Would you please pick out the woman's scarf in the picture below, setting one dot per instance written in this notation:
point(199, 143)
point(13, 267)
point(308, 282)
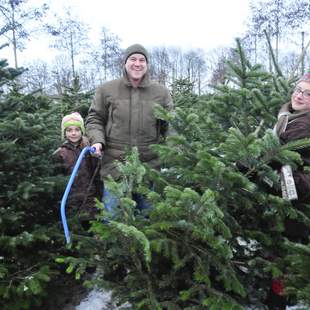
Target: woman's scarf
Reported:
point(286, 115)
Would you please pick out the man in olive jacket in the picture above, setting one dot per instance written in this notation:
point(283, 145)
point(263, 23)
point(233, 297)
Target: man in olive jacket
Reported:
point(122, 114)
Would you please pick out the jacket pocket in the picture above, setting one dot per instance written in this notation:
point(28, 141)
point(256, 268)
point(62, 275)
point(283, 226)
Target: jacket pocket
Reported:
point(149, 122)
point(118, 124)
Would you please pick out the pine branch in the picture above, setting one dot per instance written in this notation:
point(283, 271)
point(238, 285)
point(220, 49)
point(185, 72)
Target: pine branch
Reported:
point(276, 66)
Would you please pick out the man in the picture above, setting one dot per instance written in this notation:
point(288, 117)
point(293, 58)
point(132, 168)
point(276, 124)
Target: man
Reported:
point(122, 114)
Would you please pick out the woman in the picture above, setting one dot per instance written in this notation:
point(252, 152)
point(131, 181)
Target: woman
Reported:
point(293, 124)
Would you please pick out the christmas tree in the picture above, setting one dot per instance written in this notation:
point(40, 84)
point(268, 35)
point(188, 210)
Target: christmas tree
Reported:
point(215, 235)
point(31, 235)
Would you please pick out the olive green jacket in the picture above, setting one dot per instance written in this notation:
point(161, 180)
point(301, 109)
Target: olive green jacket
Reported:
point(122, 117)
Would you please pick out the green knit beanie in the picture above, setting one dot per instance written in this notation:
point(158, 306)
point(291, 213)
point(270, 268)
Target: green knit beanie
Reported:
point(73, 119)
point(135, 49)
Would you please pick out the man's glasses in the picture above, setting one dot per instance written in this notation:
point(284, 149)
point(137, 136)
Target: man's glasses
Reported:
point(305, 93)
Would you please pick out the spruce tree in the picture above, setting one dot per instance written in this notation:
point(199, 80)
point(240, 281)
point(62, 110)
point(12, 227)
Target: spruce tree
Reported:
point(214, 237)
point(31, 236)
point(74, 99)
point(298, 275)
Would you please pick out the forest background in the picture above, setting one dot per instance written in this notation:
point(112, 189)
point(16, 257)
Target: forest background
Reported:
point(215, 236)
point(72, 50)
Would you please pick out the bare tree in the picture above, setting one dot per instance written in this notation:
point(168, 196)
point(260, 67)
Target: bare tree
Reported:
point(160, 65)
point(71, 35)
point(176, 60)
point(107, 56)
point(16, 16)
point(288, 62)
point(61, 74)
point(172, 64)
point(38, 76)
point(217, 64)
point(88, 78)
point(195, 67)
point(277, 18)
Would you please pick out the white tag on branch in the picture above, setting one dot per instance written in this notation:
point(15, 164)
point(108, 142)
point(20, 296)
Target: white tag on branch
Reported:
point(289, 191)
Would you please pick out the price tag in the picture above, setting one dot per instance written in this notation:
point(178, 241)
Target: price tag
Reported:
point(288, 184)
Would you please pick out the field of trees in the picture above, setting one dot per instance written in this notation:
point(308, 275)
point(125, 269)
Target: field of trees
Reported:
point(215, 235)
point(285, 22)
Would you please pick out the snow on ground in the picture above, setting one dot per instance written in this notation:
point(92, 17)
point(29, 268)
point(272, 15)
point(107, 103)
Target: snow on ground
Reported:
point(96, 300)
point(101, 300)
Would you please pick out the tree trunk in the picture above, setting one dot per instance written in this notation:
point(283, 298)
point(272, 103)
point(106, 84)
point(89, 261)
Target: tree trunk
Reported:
point(302, 53)
point(14, 35)
point(72, 56)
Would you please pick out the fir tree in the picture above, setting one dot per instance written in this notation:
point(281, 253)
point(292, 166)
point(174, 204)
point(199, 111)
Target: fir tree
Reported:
point(74, 98)
point(214, 237)
point(31, 237)
point(298, 261)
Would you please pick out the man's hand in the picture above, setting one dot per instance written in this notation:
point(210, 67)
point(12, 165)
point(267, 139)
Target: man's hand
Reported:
point(98, 147)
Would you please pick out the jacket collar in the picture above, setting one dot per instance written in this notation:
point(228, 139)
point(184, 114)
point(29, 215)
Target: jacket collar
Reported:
point(83, 142)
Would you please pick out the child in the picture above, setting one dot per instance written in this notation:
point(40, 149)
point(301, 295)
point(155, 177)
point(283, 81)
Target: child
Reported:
point(86, 185)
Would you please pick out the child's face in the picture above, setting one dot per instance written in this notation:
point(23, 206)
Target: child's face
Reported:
point(73, 134)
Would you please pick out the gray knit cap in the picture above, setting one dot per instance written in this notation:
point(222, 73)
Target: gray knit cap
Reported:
point(135, 49)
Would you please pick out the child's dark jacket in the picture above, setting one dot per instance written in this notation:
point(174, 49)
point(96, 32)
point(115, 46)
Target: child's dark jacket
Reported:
point(86, 186)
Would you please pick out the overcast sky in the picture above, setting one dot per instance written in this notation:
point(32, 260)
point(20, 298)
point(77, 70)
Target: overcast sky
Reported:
point(205, 24)
point(184, 23)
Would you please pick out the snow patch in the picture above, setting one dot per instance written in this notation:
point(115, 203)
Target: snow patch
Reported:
point(96, 300)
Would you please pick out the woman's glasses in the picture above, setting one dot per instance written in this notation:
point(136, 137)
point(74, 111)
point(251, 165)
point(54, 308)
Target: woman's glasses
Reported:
point(305, 93)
